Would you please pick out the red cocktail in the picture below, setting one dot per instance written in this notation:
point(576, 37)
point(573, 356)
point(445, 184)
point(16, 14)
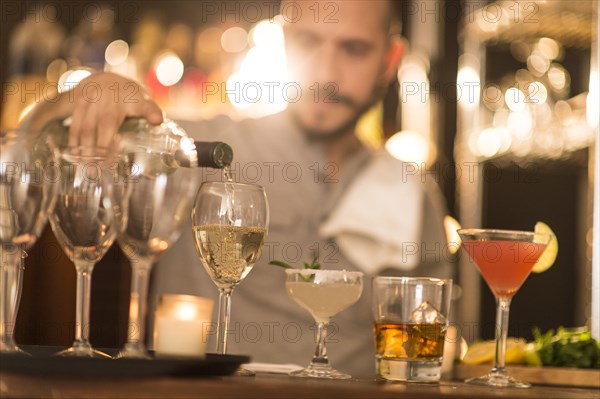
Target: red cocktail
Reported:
point(504, 259)
point(504, 265)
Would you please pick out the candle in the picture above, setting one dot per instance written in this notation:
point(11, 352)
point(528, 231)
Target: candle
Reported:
point(182, 325)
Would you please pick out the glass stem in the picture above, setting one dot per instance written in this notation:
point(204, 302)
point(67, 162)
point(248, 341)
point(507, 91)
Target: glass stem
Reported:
point(10, 258)
point(82, 312)
point(502, 310)
point(223, 321)
point(18, 287)
point(320, 356)
point(138, 301)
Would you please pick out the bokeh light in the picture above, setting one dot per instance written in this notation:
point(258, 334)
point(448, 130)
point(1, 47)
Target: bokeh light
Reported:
point(549, 48)
point(538, 64)
point(267, 33)
point(408, 146)
point(257, 87)
point(515, 99)
point(492, 98)
point(593, 101)
point(169, 69)
point(234, 40)
point(521, 124)
point(116, 53)
point(72, 78)
point(55, 70)
point(538, 94)
point(468, 82)
point(489, 142)
point(557, 77)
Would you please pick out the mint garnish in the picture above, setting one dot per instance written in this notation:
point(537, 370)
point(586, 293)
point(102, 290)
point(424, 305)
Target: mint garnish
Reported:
point(314, 265)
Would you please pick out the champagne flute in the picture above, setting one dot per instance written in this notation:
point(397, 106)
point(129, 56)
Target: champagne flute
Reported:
point(323, 293)
point(230, 222)
point(150, 195)
point(26, 198)
point(83, 226)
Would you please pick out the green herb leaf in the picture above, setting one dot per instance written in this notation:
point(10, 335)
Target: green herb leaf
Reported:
point(568, 348)
point(280, 264)
point(314, 265)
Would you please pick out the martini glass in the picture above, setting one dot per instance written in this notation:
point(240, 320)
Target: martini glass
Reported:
point(324, 293)
point(504, 258)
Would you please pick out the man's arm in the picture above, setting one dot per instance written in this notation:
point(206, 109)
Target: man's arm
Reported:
point(98, 106)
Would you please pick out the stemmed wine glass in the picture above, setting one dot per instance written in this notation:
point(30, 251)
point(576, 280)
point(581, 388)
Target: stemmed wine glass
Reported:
point(150, 195)
point(505, 259)
point(230, 222)
point(26, 197)
point(324, 293)
point(83, 224)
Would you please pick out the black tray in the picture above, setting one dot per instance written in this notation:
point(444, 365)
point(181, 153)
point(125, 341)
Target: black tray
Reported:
point(42, 362)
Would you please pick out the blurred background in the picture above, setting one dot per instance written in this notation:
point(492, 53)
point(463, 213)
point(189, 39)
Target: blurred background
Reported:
point(496, 101)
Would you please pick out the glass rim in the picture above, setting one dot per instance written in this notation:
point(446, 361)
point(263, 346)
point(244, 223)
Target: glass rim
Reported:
point(256, 187)
point(324, 271)
point(512, 235)
point(411, 280)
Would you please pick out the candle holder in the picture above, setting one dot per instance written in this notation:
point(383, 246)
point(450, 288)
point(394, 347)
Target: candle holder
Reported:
point(182, 325)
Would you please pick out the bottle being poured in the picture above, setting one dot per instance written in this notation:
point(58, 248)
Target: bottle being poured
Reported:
point(164, 148)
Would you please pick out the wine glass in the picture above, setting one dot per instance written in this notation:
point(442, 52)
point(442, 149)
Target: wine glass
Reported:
point(505, 259)
point(83, 225)
point(150, 195)
point(26, 197)
point(324, 293)
point(230, 222)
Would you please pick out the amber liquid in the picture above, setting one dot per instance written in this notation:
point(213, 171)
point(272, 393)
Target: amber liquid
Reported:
point(410, 341)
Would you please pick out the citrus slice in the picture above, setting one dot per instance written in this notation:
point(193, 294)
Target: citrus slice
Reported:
point(548, 257)
point(480, 352)
point(515, 351)
point(483, 352)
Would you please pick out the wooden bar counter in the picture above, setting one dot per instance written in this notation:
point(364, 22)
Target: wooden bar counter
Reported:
point(262, 386)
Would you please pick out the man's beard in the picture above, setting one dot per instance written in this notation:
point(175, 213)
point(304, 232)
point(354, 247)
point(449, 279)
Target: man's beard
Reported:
point(348, 126)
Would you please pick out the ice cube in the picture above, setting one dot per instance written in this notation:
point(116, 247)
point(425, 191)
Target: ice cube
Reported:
point(426, 313)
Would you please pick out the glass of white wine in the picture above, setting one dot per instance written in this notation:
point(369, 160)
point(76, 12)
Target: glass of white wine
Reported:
point(230, 222)
point(323, 293)
point(82, 222)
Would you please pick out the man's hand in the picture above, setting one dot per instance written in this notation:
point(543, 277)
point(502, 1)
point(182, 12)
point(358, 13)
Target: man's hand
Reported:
point(97, 106)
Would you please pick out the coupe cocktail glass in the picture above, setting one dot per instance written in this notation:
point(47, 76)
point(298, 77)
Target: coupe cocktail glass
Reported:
point(324, 293)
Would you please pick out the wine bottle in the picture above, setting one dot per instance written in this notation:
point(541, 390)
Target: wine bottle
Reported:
point(168, 139)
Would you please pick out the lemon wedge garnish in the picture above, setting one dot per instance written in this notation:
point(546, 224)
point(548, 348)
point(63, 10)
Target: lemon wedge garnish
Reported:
point(480, 352)
point(483, 352)
point(548, 257)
